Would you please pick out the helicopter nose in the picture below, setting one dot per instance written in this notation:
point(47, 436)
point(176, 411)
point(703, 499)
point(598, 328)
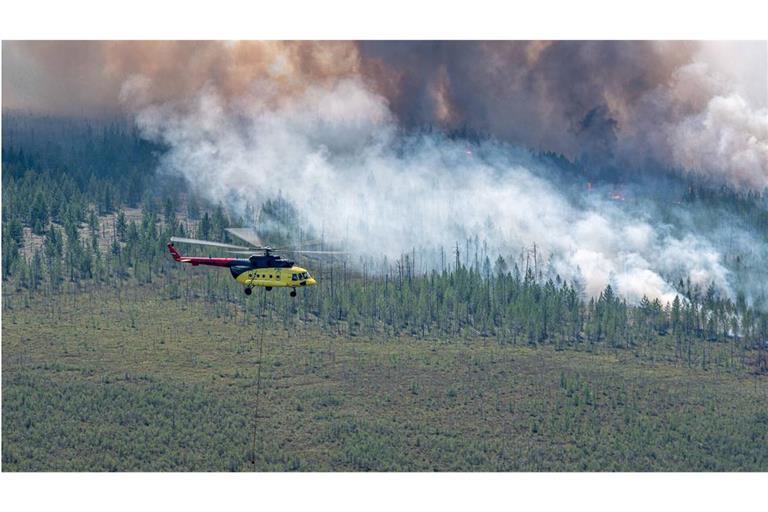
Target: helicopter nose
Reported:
point(311, 281)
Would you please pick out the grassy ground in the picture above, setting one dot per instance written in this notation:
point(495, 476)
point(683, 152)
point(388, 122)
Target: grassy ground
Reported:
point(133, 381)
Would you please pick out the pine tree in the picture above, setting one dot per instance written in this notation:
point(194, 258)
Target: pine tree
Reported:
point(120, 226)
point(204, 228)
point(39, 214)
point(169, 212)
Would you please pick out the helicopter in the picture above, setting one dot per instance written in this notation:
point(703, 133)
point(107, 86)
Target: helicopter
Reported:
point(261, 268)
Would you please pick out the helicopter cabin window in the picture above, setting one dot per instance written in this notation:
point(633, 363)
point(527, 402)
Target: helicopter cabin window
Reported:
point(295, 277)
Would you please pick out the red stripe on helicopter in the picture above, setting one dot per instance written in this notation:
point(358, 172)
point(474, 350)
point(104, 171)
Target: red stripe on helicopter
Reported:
point(216, 262)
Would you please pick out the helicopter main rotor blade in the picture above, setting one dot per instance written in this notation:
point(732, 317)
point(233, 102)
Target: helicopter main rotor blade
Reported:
point(247, 235)
point(298, 251)
point(301, 244)
point(290, 251)
point(304, 243)
point(252, 251)
point(205, 242)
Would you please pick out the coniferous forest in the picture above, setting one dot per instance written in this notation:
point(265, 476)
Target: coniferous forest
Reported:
point(115, 357)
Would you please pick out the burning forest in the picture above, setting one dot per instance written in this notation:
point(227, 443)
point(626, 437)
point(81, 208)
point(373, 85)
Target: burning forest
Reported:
point(460, 218)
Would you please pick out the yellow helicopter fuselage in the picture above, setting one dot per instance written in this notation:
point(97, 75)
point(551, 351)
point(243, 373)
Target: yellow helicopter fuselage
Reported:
point(276, 277)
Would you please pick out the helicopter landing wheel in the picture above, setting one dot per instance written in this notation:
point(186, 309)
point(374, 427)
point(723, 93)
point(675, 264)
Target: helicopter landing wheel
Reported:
point(293, 293)
point(268, 288)
point(248, 291)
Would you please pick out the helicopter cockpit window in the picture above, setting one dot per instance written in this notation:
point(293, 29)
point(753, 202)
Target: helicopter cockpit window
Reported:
point(295, 277)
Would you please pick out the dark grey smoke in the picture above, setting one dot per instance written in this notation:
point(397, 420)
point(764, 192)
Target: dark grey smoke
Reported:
point(617, 105)
point(696, 108)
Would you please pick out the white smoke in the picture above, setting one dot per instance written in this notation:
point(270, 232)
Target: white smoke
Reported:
point(705, 121)
point(728, 135)
point(337, 153)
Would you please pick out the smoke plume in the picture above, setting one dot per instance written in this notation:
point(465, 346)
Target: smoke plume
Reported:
point(338, 129)
point(616, 106)
point(339, 155)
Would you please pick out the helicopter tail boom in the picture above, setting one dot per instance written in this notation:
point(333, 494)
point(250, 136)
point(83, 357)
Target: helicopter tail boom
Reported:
point(216, 262)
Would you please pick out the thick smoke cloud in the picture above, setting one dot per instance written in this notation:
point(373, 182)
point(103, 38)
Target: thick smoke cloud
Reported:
point(561, 97)
point(617, 107)
point(86, 77)
point(726, 135)
point(329, 126)
point(338, 154)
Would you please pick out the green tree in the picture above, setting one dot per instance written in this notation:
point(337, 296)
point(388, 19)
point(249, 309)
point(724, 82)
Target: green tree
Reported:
point(204, 228)
point(39, 214)
point(121, 226)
